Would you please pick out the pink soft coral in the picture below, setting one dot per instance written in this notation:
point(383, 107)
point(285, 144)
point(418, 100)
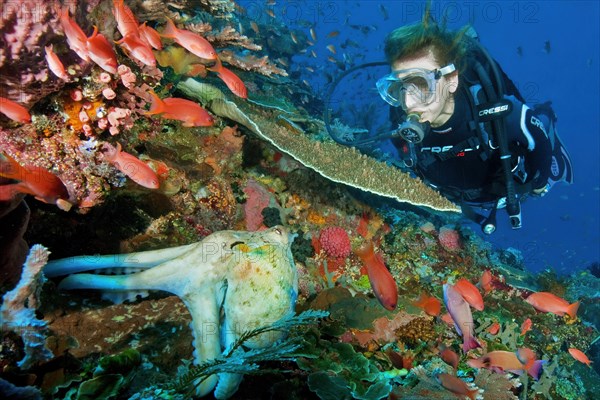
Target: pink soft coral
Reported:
point(335, 241)
point(449, 238)
point(258, 198)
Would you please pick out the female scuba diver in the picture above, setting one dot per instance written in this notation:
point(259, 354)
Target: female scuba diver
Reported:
point(463, 127)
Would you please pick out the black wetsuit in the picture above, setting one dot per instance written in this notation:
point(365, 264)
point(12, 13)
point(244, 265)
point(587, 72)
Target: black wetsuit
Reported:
point(468, 175)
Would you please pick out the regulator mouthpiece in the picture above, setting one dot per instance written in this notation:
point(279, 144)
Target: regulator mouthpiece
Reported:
point(411, 129)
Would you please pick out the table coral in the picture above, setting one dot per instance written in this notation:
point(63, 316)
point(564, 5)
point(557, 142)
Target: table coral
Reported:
point(335, 162)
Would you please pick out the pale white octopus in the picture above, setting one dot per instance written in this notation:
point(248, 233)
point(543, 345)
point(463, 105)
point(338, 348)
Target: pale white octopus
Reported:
point(231, 282)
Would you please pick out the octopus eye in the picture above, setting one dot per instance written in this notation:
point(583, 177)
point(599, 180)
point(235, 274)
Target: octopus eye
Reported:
point(278, 231)
point(235, 244)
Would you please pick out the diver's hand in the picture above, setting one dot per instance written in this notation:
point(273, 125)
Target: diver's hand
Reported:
point(541, 192)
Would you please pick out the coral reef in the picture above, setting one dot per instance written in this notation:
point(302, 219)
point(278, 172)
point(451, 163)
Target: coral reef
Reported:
point(263, 161)
point(335, 162)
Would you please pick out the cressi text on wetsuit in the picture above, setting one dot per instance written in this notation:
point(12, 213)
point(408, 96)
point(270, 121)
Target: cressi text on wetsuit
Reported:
point(468, 175)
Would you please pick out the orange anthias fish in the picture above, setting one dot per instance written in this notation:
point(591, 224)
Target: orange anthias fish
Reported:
point(470, 293)
point(189, 112)
point(485, 282)
point(191, 41)
point(150, 36)
point(14, 111)
point(138, 49)
point(55, 65)
point(457, 386)
point(130, 165)
point(233, 82)
point(35, 181)
point(383, 283)
point(127, 23)
point(431, 305)
point(548, 302)
point(526, 326)
point(515, 362)
point(101, 52)
point(76, 38)
point(580, 356)
point(449, 356)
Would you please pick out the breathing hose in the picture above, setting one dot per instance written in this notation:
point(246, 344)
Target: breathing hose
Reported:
point(327, 111)
point(513, 206)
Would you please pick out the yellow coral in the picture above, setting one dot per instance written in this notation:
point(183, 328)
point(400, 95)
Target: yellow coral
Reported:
point(419, 329)
point(220, 198)
point(298, 202)
point(182, 61)
point(315, 218)
point(72, 109)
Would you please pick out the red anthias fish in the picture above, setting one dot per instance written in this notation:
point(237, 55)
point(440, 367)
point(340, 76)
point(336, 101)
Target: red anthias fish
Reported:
point(233, 82)
point(383, 283)
point(76, 38)
point(150, 36)
point(55, 65)
point(431, 305)
point(32, 180)
point(138, 49)
point(485, 282)
point(449, 356)
point(517, 362)
point(580, 356)
point(187, 111)
point(101, 52)
point(470, 293)
point(457, 386)
point(127, 24)
point(526, 326)
point(14, 111)
point(548, 302)
point(494, 328)
point(130, 165)
point(190, 41)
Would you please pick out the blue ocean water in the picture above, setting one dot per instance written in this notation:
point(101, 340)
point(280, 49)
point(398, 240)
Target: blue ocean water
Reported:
point(549, 49)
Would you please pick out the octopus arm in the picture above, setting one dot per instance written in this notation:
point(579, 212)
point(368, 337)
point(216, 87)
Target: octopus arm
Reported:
point(144, 259)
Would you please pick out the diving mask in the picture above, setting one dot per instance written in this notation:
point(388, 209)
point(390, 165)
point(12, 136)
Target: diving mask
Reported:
point(418, 83)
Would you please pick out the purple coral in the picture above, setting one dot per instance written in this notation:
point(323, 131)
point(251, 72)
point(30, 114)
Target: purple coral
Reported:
point(26, 27)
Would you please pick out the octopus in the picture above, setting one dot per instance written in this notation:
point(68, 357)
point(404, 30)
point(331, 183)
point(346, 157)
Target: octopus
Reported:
point(231, 282)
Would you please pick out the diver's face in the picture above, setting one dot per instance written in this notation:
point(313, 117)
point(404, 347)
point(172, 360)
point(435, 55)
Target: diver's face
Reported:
point(441, 108)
